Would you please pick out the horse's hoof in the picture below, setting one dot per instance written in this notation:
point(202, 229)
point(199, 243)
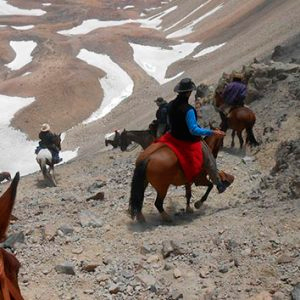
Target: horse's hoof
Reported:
point(189, 210)
point(198, 204)
point(165, 217)
point(140, 218)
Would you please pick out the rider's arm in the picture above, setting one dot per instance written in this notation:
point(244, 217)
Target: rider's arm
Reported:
point(193, 126)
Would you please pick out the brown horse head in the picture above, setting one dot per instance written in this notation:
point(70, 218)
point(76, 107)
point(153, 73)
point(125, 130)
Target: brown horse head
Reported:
point(9, 265)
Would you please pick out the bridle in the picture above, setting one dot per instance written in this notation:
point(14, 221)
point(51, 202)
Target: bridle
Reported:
point(7, 287)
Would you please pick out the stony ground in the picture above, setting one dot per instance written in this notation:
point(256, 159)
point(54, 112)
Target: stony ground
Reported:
point(241, 244)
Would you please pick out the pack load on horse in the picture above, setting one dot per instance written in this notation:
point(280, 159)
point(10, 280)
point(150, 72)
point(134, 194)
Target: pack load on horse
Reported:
point(113, 139)
point(9, 265)
point(178, 158)
point(161, 116)
point(47, 152)
point(229, 101)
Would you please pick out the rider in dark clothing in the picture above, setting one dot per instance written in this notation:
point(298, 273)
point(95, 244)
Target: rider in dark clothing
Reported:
point(184, 126)
point(47, 141)
point(161, 116)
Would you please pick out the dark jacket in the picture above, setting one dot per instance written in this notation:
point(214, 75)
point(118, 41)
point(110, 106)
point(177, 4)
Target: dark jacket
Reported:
point(47, 140)
point(177, 110)
point(235, 93)
point(162, 113)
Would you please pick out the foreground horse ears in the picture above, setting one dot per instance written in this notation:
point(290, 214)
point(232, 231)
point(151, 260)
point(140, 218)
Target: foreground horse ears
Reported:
point(7, 201)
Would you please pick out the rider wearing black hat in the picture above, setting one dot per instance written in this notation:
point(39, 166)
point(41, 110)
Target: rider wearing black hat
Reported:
point(161, 116)
point(184, 126)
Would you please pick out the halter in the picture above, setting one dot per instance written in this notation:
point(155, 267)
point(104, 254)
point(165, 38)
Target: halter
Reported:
point(7, 287)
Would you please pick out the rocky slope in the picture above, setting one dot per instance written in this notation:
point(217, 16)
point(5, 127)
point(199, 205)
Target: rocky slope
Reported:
point(243, 244)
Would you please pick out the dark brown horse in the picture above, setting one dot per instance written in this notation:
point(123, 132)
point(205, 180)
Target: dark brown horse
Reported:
point(238, 119)
point(9, 265)
point(159, 166)
point(142, 137)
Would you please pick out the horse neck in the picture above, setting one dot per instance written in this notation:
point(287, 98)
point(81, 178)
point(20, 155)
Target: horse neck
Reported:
point(218, 99)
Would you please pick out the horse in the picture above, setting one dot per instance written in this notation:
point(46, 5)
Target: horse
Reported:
point(5, 175)
point(44, 159)
point(159, 166)
point(238, 119)
point(116, 140)
point(9, 265)
point(142, 137)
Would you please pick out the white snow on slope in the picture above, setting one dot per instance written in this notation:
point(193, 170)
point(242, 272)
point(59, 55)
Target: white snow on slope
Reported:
point(92, 24)
point(128, 7)
point(9, 10)
point(16, 151)
point(155, 60)
point(117, 85)
point(23, 51)
point(208, 50)
point(190, 27)
point(26, 27)
point(187, 16)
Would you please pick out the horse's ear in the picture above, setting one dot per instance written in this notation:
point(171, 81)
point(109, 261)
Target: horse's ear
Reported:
point(7, 201)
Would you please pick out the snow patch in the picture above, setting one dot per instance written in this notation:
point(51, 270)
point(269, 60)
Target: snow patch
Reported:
point(46, 4)
point(23, 51)
point(9, 10)
point(155, 60)
point(26, 27)
point(117, 85)
point(27, 73)
point(190, 27)
point(128, 7)
point(208, 50)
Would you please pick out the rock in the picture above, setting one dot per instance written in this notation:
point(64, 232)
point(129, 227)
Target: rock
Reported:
point(96, 185)
point(98, 196)
point(13, 239)
point(49, 232)
point(284, 259)
point(89, 267)
point(262, 296)
point(296, 292)
point(279, 296)
point(146, 279)
point(176, 273)
point(153, 258)
point(204, 272)
point(167, 267)
point(65, 268)
point(230, 245)
point(114, 288)
point(248, 159)
point(223, 269)
point(167, 249)
point(145, 249)
point(89, 219)
point(102, 278)
point(77, 251)
point(66, 229)
point(175, 295)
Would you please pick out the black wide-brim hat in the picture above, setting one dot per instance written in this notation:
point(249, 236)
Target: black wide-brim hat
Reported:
point(185, 85)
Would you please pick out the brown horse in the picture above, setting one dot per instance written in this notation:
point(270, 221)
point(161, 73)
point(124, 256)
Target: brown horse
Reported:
point(159, 166)
point(9, 265)
point(238, 119)
point(142, 137)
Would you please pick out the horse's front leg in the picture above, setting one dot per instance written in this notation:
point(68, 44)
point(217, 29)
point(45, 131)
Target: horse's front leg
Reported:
point(188, 196)
point(51, 172)
point(199, 203)
point(159, 202)
point(232, 138)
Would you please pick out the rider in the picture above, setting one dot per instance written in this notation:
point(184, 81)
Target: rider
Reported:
point(161, 116)
point(47, 141)
point(234, 93)
point(184, 126)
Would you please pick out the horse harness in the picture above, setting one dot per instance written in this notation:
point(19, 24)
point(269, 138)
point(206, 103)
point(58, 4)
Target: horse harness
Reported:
point(9, 291)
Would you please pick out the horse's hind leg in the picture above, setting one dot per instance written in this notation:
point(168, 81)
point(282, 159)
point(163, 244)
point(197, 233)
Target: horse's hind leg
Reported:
point(239, 134)
point(199, 203)
point(188, 196)
point(232, 138)
point(159, 202)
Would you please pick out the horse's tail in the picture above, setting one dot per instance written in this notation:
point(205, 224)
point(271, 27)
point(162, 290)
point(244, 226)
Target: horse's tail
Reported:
point(43, 165)
point(251, 138)
point(138, 186)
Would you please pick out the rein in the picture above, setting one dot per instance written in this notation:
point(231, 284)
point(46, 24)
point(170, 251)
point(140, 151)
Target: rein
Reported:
point(7, 287)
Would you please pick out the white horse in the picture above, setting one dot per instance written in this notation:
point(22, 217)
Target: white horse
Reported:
point(45, 160)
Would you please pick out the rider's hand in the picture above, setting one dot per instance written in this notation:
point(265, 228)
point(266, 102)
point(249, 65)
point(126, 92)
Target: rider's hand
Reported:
point(219, 132)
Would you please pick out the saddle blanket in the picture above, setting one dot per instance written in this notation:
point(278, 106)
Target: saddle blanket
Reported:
point(188, 153)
